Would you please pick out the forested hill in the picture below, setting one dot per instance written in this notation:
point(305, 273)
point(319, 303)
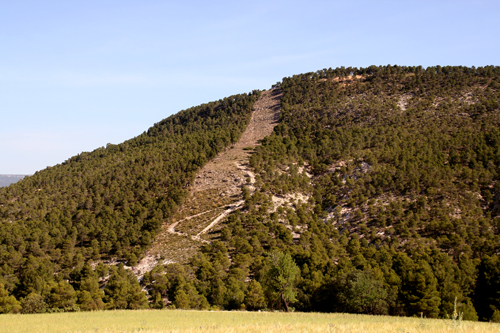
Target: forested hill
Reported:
point(111, 201)
point(399, 212)
point(378, 192)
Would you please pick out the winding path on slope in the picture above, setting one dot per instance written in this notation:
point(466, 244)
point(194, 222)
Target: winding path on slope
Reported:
point(234, 207)
point(219, 183)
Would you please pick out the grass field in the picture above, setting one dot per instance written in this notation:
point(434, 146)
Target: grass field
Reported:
point(205, 321)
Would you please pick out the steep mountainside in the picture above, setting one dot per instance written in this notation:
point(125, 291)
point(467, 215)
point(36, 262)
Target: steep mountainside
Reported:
point(215, 191)
point(377, 192)
point(110, 202)
point(380, 182)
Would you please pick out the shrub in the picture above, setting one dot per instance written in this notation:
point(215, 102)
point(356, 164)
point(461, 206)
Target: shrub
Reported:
point(33, 303)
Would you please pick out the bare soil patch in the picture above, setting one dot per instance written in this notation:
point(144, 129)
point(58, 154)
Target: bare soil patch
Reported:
point(216, 190)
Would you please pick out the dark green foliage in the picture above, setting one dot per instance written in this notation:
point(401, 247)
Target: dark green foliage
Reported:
point(468, 311)
point(495, 317)
point(61, 296)
point(360, 292)
point(33, 303)
point(402, 215)
point(254, 297)
point(88, 301)
point(89, 295)
point(235, 292)
point(8, 303)
point(488, 287)
point(187, 297)
point(109, 202)
point(419, 292)
point(123, 291)
point(158, 285)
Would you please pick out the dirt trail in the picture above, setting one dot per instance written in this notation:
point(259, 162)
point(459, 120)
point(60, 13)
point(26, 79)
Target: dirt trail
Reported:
point(217, 184)
point(171, 228)
point(234, 207)
point(229, 170)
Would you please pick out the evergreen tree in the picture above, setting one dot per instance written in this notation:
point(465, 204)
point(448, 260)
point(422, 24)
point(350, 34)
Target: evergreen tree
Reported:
point(8, 303)
point(33, 303)
point(61, 296)
point(123, 291)
point(254, 297)
point(282, 276)
point(360, 292)
point(487, 298)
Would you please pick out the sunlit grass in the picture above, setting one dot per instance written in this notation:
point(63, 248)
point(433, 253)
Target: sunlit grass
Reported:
point(204, 321)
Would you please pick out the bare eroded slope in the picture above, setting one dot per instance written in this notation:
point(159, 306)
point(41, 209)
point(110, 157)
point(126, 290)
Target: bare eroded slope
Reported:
point(216, 191)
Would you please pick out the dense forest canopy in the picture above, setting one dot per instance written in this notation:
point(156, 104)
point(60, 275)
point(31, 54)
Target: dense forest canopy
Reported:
point(111, 201)
point(390, 179)
point(402, 215)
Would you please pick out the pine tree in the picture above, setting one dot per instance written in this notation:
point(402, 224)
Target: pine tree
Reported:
point(62, 296)
point(8, 303)
point(123, 291)
point(254, 297)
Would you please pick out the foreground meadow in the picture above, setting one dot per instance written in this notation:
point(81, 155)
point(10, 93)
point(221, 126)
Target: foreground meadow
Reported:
point(204, 321)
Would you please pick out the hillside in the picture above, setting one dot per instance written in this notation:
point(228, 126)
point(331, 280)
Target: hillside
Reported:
point(216, 189)
point(380, 184)
point(109, 203)
point(380, 179)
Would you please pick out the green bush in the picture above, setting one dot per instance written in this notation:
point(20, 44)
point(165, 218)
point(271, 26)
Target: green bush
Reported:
point(33, 303)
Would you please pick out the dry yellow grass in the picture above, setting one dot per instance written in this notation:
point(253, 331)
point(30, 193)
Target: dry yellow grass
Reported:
point(229, 322)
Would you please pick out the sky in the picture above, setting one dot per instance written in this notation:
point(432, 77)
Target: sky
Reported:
point(76, 75)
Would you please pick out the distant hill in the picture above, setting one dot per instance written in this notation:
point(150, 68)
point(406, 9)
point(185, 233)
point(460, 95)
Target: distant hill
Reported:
point(6, 180)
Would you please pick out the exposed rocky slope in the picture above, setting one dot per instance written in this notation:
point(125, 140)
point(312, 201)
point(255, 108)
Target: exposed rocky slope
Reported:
point(216, 190)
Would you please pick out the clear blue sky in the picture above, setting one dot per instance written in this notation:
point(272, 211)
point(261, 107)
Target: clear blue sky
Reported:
point(75, 75)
